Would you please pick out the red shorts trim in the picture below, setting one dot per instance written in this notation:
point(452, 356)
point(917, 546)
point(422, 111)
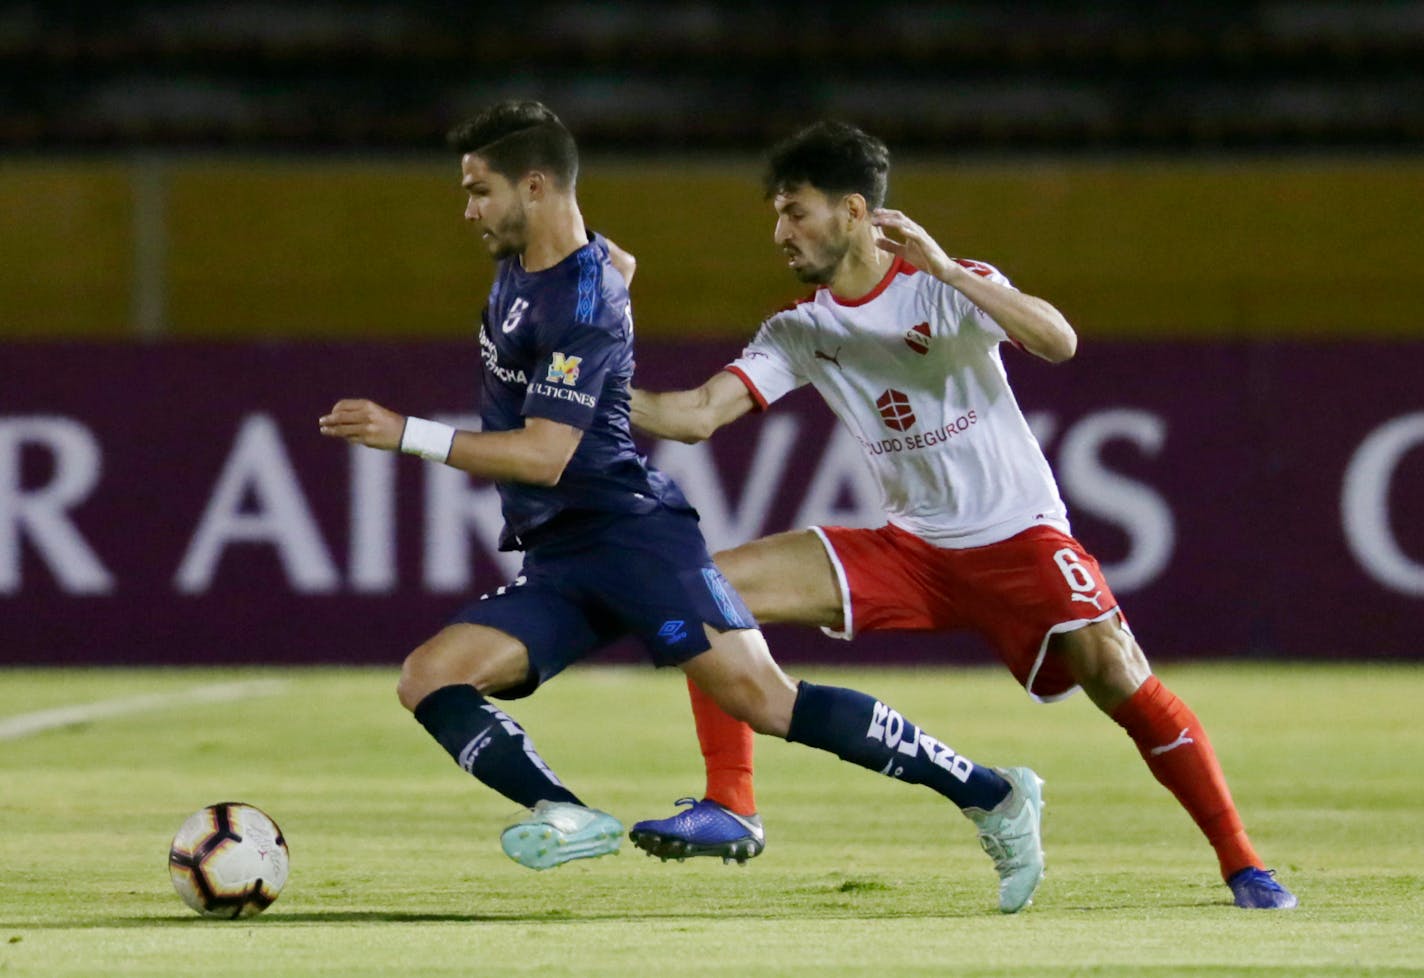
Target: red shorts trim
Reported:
point(1016, 593)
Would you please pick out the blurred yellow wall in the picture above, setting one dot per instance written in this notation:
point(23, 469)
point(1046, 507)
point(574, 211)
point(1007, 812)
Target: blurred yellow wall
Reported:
point(66, 253)
point(304, 248)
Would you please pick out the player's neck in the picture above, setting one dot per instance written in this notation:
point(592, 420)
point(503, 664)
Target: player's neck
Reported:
point(554, 234)
point(861, 270)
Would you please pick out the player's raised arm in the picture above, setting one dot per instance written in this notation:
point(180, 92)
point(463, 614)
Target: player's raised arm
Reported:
point(692, 415)
point(1031, 322)
point(536, 454)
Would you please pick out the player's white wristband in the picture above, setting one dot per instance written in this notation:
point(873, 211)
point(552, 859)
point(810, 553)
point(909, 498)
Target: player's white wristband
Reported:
point(428, 439)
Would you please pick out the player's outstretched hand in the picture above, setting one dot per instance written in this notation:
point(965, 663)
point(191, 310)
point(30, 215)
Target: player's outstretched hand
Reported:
point(364, 422)
point(911, 242)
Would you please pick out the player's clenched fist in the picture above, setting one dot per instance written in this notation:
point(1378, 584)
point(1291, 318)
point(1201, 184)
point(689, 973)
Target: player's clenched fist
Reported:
point(364, 422)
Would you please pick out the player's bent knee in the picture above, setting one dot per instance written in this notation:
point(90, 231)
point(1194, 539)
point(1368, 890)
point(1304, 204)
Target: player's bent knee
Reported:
point(1105, 660)
point(416, 680)
point(486, 659)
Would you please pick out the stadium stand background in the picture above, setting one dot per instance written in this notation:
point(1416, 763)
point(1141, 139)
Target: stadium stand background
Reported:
point(210, 208)
point(244, 169)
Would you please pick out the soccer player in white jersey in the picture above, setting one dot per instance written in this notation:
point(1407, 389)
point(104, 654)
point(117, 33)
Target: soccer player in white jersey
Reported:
point(903, 343)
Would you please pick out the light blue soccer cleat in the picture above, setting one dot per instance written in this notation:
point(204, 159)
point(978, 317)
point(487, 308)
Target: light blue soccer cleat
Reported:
point(556, 832)
point(1011, 833)
point(705, 829)
point(1257, 889)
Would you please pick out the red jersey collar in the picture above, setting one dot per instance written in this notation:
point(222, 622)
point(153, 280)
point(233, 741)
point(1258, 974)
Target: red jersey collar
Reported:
point(898, 267)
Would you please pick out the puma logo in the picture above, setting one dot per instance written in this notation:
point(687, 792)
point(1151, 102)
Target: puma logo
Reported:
point(832, 357)
point(1181, 741)
point(1091, 599)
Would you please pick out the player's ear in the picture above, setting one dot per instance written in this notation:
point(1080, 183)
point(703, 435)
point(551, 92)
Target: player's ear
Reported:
point(534, 185)
point(856, 209)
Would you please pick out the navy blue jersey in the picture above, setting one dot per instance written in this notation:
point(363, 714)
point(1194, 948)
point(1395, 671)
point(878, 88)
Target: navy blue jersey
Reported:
point(558, 344)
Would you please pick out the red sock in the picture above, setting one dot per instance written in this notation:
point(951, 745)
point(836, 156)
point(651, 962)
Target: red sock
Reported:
point(727, 753)
point(1155, 719)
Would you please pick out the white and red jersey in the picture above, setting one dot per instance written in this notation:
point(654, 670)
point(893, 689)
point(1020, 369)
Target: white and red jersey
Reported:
point(913, 371)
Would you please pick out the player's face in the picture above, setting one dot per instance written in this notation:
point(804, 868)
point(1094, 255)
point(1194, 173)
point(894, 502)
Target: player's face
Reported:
point(493, 206)
point(811, 232)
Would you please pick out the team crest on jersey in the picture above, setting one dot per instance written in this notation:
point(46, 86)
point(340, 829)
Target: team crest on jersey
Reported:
point(516, 313)
point(564, 370)
point(895, 410)
point(917, 338)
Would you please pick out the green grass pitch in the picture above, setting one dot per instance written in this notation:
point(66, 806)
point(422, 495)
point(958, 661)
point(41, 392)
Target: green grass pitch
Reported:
point(396, 867)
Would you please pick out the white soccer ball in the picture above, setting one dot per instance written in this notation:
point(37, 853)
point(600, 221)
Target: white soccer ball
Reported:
point(228, 860)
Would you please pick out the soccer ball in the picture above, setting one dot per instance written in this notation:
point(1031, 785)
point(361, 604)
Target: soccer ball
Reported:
point(228, 860)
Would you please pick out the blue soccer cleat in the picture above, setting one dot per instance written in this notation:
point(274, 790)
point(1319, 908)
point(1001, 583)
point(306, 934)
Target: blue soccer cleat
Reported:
point(556, 832)
point(705, 829)
point(1257, 889)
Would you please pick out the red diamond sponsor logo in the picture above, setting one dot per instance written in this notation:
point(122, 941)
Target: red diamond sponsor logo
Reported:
point(917, 338)
point(895, 410)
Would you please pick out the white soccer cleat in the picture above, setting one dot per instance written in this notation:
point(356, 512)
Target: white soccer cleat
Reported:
point(557, 831)
point(1011, 833)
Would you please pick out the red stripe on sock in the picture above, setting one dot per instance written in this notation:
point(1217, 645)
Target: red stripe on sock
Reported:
point(726, 751)
point(1172, 742)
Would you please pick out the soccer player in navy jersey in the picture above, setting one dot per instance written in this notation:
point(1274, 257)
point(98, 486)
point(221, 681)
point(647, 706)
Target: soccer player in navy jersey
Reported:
point(611, 546)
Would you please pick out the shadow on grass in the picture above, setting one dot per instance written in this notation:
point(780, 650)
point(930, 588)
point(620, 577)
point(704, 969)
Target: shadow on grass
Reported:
point(278, 919)
point(304, 918)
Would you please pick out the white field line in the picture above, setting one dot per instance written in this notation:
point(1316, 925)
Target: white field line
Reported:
point(25, 724)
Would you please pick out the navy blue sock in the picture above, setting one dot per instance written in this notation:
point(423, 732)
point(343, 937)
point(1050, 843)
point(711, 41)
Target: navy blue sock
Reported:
point(487, 743)
point(860, 729)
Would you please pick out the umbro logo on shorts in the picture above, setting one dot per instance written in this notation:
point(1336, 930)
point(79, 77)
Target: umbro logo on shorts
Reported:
point(673, 631)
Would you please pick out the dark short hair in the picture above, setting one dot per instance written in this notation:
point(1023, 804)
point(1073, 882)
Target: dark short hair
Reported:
point(834, 157)
point(516, 136)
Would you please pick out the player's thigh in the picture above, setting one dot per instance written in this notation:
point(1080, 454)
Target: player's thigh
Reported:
point(738, 672)
point(1103, 658)
point(463, 653)
point(550, 620)
point(786, 578)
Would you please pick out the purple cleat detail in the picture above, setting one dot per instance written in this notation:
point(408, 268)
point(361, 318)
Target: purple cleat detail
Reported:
point(704, 829)
point(1257, 889)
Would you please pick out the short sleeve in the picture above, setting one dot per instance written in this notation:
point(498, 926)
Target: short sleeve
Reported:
point(768, 364)
point(963, 307)
point(569, 374)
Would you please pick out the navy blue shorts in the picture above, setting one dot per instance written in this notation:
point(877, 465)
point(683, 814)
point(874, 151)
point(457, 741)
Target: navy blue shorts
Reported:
point(603, 576)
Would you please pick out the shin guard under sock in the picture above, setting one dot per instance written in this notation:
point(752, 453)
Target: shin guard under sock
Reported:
point(1172, 742)
point(860, 729)
point(489, 745)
